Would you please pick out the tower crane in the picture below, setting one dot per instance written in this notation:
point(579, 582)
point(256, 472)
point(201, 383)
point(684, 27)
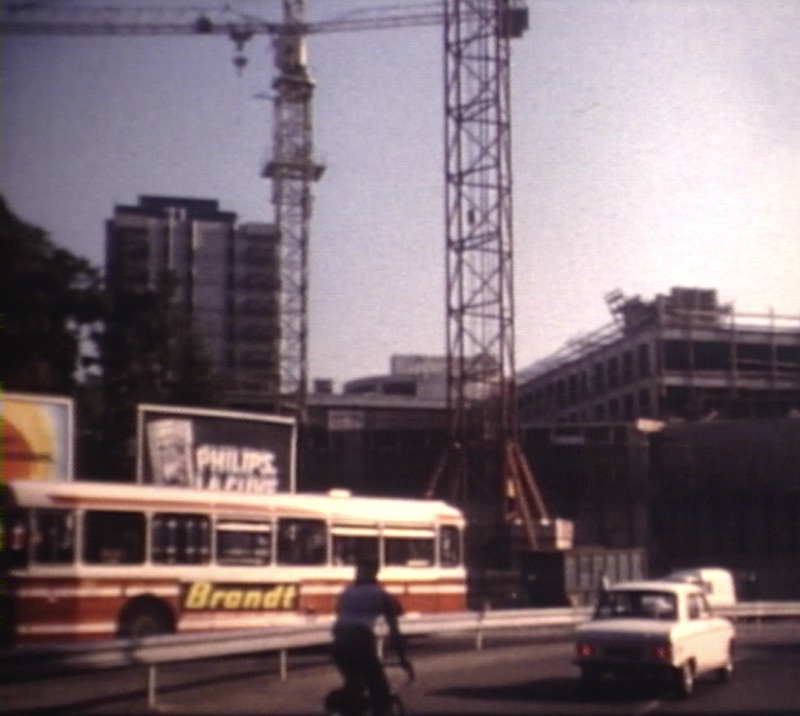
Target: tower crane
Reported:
point(483, 464)
point(292, 167)
point(483, 456)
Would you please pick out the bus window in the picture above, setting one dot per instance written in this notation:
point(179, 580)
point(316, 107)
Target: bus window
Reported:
point(409, 551)
point(244, 543)
point(54, 536)
point(350, 549)
point(181, 539)
point(14, 533)
point(113, 537)
point(449, 546)
point(301, 542)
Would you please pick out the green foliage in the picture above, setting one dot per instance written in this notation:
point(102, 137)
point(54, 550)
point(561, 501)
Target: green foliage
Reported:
point(51, 301)
point(150, 354)
point(58, 320)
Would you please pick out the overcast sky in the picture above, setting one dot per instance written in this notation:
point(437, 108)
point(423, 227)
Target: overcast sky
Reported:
point(656, 144)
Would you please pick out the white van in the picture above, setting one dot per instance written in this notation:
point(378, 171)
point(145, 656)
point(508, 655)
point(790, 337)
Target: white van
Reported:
point(718, 583)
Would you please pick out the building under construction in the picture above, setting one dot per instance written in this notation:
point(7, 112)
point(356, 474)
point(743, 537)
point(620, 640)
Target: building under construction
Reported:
point(679, 356)
point(676, 429)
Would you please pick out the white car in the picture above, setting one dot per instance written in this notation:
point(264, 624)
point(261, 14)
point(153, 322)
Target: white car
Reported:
point(654, 630)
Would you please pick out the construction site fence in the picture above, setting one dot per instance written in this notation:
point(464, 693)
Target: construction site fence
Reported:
point(33, 663)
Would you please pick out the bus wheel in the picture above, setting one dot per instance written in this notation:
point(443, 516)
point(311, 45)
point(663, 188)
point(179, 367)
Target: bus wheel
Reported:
point(144, 617)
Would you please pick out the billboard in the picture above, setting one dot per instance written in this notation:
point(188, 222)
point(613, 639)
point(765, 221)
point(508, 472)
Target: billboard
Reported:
point(37, 437)
point(215, 449)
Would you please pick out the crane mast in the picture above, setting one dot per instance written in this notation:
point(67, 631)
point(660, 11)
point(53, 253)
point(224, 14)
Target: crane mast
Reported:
point(292, 170)
point(483, 467)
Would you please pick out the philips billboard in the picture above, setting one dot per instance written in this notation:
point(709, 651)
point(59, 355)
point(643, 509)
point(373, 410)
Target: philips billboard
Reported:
point(215, 449)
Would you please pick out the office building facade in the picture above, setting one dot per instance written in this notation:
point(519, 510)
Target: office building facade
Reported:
point(225, 280)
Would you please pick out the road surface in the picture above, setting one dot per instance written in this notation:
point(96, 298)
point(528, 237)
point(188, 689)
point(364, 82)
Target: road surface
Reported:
point(519, 673)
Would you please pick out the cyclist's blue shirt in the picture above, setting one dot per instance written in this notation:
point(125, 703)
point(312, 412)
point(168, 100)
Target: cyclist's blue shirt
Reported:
point(363, 605)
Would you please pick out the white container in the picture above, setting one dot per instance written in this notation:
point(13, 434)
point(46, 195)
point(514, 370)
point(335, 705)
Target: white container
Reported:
point(718, 583)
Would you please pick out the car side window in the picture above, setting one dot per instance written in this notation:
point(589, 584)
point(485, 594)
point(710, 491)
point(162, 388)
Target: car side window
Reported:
point(698, 607)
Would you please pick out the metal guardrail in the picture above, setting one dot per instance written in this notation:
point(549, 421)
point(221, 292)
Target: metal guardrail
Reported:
point(760, 610)
point(32, 663)
point(35, 661)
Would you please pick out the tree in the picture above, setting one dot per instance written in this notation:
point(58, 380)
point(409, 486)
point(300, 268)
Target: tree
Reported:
point(149, 354)
point(58, 319)
point(52, 302)
point(150, 351)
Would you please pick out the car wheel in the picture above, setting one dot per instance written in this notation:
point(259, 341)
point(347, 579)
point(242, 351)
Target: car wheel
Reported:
point(396, 707)
point(725, 673)
point(590, 678)
point(685, 678)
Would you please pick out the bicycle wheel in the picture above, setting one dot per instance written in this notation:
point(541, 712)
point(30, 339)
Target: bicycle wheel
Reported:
point(341, 702)
point(396, 706)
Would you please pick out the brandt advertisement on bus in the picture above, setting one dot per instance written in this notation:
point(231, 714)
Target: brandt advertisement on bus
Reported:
point(215, 450)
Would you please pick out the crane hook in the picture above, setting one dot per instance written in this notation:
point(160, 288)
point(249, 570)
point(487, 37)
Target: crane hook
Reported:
point(239, 62)
point(240, 38)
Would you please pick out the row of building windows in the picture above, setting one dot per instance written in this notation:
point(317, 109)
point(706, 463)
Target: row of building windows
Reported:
point(137, 243)
point(399, 439)
point(262, 306)
point(636, 404)
point(385, 387)
point(604, 375)
point(260, 284)
point(133, 250)
point(262, 360)
point(257, 331)
point(727, 356)
point(560, 392)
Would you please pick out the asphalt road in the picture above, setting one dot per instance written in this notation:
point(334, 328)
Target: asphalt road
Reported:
point(519, 673)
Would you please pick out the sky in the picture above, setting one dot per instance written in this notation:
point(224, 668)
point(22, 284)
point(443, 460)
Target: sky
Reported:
point(655, 143)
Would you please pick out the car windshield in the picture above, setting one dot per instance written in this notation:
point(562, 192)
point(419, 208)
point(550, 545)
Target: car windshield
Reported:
point(637, 604)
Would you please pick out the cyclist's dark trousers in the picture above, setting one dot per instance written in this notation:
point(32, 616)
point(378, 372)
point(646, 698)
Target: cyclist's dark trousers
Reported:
point(355, 654)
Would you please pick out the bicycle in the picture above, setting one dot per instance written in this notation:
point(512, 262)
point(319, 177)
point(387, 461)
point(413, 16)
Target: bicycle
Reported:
point(344, 702)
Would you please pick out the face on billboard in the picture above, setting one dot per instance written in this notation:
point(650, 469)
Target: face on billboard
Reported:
point(216, 452)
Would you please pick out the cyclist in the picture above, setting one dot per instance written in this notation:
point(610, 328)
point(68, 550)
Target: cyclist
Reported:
point(354, 649)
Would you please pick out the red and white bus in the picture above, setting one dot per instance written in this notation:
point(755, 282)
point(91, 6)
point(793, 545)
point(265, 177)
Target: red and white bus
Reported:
point(86, 560)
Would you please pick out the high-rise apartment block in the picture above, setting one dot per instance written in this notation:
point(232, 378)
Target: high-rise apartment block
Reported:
point(679, 356)
point(225, 278)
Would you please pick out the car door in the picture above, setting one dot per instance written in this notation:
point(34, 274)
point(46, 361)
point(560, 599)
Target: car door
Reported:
point(708, 634)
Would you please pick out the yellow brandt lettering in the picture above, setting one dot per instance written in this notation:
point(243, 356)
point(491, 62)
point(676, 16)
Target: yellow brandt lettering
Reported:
point(217, 599)
point(252, 599)
point(289, 596)
point(272, 597)
point(197, 596)
point(233, 599)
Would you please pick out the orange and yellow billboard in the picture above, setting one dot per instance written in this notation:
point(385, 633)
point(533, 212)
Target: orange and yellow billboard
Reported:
point(37, 435)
